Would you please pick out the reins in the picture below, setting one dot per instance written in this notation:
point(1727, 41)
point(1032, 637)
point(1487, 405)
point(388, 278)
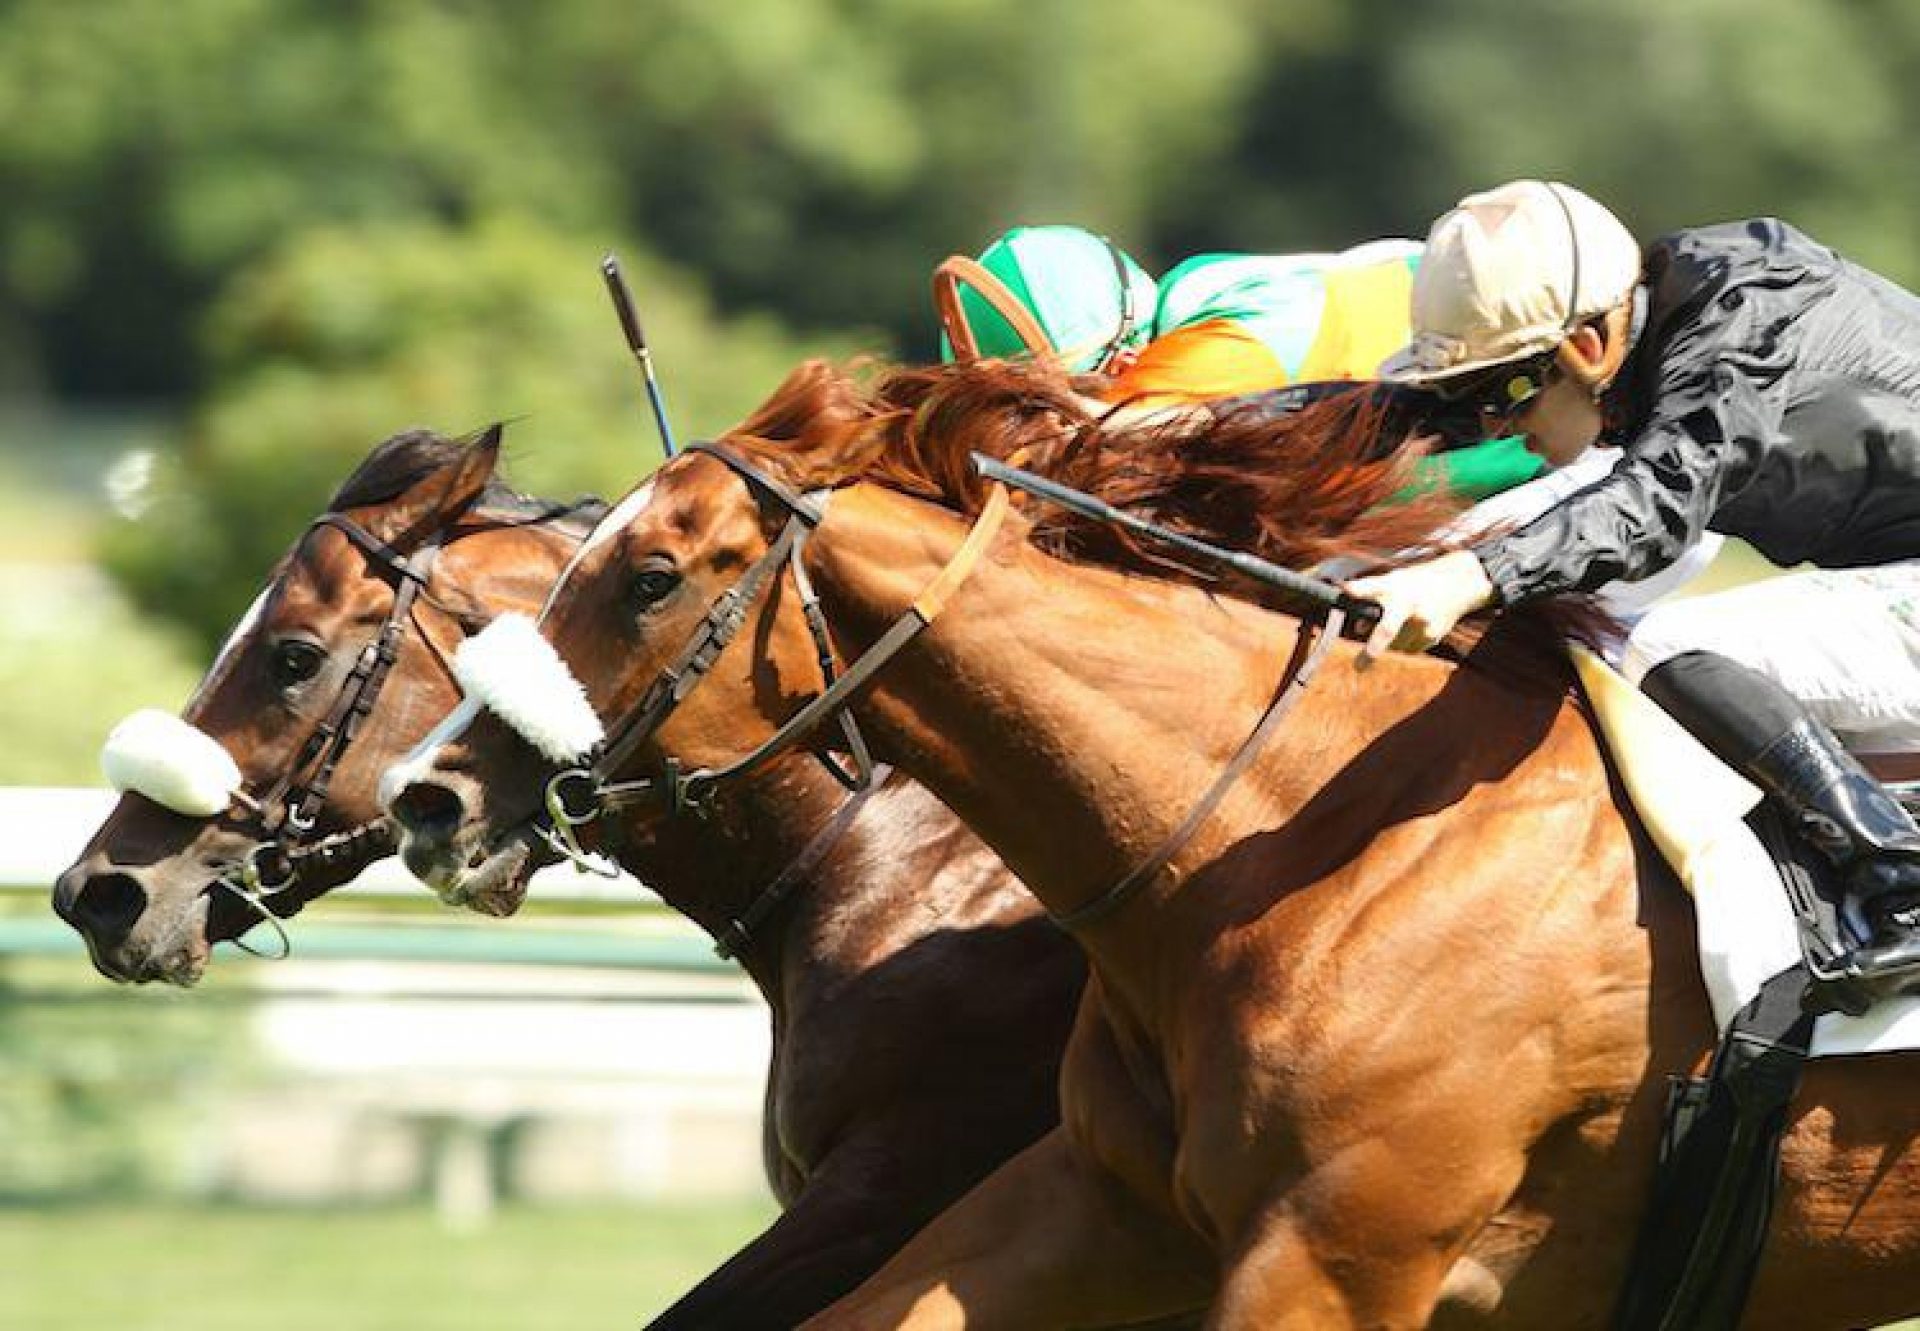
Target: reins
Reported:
point(1309, 647)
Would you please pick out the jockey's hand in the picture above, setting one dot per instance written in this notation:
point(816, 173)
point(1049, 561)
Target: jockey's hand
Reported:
point(1420, 604)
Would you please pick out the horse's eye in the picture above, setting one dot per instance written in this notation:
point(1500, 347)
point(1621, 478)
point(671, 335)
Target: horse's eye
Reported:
point(295, 662)
point(653, 584)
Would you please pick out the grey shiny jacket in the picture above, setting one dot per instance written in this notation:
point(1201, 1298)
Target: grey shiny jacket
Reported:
point(1773, 395)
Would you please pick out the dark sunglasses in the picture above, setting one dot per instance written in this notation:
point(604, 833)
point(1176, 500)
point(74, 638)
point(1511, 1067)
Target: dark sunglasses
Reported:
point(1501, 392)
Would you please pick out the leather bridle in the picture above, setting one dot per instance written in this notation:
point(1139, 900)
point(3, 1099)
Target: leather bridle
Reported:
point(580, 794)
point(279, 873)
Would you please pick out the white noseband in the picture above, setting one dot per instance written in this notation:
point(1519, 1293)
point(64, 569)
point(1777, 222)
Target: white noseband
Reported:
point(512, 671)
point(173, 764)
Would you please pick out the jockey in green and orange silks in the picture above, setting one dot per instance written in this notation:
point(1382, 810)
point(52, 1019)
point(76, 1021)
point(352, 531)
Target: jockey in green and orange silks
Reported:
point(1217, 326)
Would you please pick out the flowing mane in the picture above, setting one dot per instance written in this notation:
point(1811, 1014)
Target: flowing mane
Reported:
point(1328, 482)
point(1297, 489)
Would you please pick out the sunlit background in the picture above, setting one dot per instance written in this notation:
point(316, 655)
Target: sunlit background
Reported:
point(241, 241)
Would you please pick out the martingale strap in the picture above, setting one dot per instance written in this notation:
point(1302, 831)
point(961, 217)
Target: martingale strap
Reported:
point(1309, 646)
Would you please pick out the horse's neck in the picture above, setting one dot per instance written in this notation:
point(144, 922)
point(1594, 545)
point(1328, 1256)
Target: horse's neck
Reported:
point(1072, 717)
point(1069, 714)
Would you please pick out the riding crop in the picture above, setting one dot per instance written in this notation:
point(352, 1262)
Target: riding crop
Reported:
point(1362, 615)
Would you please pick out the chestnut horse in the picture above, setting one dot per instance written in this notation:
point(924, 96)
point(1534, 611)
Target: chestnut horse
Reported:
point(905, 922)
point(1385, 1043)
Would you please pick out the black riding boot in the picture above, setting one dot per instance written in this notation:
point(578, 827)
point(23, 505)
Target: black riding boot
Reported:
point(1757, 728)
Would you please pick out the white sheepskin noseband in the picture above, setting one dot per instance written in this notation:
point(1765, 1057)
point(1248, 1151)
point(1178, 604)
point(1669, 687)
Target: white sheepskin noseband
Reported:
point(514, 672)
point(170, 762)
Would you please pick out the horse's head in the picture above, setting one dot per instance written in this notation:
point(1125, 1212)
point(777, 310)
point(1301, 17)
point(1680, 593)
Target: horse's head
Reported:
point(687, 579)
point(262, 795)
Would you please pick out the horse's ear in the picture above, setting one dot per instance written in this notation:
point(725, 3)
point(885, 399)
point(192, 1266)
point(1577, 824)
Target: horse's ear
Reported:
point(437, 500)
point(469, 477)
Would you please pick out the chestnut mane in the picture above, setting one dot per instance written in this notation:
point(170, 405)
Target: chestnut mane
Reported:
point(1296, 489)
point(1327, 482)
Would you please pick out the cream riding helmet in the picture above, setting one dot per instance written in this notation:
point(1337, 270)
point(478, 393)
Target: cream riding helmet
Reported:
point(1056, 290)
point(1507, 275)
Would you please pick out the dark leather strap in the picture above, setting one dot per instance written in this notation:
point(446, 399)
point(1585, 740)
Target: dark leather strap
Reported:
point(1309, 646)
point(1706, 1224)
point(740, 930)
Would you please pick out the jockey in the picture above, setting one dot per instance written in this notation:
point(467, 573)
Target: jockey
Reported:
point(1759, 385)
point(1218, 326)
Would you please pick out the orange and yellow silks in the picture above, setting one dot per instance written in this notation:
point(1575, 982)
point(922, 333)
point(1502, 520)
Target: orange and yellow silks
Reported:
point(1229, 324)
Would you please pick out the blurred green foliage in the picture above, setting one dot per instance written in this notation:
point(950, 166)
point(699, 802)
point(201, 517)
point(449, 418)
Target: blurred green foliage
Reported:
point(308, 225)
point(351, 333)
point(97, 1094)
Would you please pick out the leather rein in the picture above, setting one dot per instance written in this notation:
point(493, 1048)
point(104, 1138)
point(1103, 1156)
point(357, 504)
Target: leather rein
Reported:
point(580, 794)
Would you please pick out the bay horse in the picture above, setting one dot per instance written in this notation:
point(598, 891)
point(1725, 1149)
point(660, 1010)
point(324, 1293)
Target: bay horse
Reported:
point(1384, 1043)
point(903, 914)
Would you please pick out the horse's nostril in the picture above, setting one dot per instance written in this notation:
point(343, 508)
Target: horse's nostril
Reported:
point(103, 906)
point(429, 811)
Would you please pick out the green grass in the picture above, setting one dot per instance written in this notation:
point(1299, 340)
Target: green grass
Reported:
point(177, 1268)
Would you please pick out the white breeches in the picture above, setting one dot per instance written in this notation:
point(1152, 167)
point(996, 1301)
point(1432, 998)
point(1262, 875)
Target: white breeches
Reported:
point(1846, 642)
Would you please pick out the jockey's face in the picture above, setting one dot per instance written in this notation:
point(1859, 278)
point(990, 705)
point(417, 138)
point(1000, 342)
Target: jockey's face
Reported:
point(1561, 422)
point(1564, 418)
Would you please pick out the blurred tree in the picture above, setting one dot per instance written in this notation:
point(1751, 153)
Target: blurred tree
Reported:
point(808, 157)
point(1675, 115)
point(322, 185)
point(352, 333)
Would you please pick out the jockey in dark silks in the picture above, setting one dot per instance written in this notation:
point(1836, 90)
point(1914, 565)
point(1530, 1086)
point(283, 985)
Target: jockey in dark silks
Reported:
point(1758, 385)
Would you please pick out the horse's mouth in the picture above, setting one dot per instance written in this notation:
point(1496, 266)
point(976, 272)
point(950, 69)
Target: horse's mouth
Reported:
point(181, 963)
point(492, 880)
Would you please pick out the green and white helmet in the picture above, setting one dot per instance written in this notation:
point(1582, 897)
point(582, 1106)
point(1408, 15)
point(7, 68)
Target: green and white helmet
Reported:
point(1059, 288)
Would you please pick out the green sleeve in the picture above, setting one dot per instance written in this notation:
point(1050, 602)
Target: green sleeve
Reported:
point(1476, 471)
